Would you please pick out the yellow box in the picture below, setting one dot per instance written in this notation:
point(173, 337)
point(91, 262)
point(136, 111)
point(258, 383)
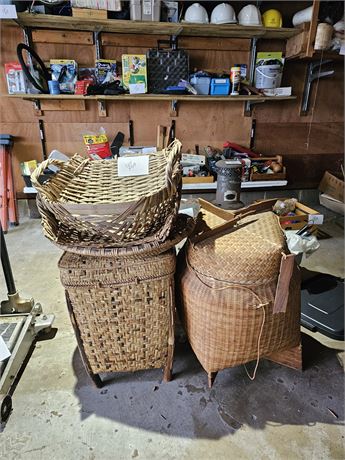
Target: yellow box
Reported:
point(134, 73)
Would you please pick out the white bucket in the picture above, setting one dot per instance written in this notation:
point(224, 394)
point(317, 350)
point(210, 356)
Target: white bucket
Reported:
point(268, 76)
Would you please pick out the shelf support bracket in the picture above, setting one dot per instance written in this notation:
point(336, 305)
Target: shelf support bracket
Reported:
point(248, 104)
point(173, 110)
point(37, 107)
point(102, 108)
point(313, 73)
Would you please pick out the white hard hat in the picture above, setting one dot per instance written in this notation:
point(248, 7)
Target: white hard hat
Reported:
point(223, 14)
point(196, 13)
point(249, 16)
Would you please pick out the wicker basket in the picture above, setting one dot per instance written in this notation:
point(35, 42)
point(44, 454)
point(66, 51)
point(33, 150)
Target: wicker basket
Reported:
point(238, 301)
point(122, 311)
point(89, 200)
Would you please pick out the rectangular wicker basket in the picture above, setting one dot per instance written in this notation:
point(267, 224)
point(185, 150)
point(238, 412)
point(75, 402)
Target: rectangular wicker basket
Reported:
point(122, 311)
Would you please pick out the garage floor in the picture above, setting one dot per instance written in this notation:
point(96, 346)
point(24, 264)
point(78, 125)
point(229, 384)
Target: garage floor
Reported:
point(59, 414)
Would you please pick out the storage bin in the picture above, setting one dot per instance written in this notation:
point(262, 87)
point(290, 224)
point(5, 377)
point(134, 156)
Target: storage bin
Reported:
point(233, 303)
point(121, 310)
point(220, 86)
point(201, 84)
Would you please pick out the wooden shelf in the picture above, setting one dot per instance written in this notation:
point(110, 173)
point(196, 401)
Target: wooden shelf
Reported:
point(318, 56)
point(151, 97)
point(46, 21)
point(244, 185)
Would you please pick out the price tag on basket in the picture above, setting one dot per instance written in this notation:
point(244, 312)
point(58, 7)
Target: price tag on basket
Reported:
point(133, 166)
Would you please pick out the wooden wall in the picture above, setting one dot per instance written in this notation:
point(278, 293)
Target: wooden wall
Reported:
point(311, 144)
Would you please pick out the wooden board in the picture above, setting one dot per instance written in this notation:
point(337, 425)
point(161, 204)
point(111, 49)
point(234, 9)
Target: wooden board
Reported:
point(188, 43)
point(156, 28)
point(89, 13)
point(59, 36)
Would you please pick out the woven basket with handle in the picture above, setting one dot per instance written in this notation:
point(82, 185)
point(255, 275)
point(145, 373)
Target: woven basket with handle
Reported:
point(239, 289)
point(122, 310)
point(88, 198)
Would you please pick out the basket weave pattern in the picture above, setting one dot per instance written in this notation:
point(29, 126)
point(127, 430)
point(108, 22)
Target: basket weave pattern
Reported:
point(225, 284)
point(123, 309)
point(88, 200)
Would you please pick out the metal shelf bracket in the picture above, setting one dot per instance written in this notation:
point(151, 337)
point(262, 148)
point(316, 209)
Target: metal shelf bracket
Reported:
point(313, 73)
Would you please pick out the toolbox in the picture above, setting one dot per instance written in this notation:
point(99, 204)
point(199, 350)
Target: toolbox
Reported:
point(166, 67)
point(220, 86)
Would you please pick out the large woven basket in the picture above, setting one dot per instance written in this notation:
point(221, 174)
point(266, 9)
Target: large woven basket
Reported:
point(122, 311)
point(88, 200)
point(237, 305)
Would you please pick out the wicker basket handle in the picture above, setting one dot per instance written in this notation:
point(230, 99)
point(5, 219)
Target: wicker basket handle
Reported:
point(173, 166)
point(39, 170)
point(234, 217)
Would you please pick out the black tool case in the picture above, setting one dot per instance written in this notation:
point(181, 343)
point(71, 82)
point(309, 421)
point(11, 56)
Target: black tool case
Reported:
point(322, 305)
point(166, 66)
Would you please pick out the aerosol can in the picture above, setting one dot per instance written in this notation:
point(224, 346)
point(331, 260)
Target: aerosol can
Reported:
point(235, 78)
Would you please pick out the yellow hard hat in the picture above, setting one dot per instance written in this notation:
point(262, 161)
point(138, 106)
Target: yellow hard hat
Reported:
point(272, 18)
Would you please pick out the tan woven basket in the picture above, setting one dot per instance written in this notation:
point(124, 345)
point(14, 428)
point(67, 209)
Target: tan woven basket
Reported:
point(88, 198)
point(236, 303)
point(122, 311)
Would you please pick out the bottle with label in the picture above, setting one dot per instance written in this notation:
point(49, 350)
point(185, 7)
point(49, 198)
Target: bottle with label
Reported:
point(235, 78)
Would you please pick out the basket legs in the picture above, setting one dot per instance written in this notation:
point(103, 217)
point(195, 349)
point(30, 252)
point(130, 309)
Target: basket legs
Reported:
point(211, 378)
point(289, 358)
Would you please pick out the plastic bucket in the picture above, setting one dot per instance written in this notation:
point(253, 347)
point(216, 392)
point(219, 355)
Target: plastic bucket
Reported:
point(268, 76)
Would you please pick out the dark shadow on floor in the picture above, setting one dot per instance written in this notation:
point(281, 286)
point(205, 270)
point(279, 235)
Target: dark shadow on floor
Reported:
point(186, 407)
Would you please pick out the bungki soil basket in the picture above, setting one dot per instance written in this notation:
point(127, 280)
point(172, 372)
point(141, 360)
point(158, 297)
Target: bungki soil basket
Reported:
point(122, 311)
point(88, 201)
point(239, 289)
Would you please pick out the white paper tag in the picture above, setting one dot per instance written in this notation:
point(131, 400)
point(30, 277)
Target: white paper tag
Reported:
point(342, 49)
point(137, 88)
point(315, 219)
point(8, 12)
point(133, 166)
point(4, 351)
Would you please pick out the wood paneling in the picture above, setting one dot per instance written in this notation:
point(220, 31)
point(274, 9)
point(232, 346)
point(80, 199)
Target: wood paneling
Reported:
point(60, 36)
point(309, 144)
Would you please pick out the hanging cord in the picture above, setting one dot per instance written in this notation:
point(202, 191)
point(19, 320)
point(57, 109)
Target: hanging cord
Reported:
point(260, 305)
point(314, 103)
point(252, 377)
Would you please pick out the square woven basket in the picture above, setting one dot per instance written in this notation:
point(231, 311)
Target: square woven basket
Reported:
point(122, 311)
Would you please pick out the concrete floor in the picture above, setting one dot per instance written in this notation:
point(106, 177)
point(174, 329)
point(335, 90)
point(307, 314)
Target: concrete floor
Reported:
point(59, 414)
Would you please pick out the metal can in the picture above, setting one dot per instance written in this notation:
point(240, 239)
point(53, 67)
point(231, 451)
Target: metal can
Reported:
point(235, 78)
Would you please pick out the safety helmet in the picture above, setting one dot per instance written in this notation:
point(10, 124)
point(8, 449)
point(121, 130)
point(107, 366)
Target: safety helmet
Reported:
point(196, 13)
point(223, 14)
point(272, 18)
point(249, 16)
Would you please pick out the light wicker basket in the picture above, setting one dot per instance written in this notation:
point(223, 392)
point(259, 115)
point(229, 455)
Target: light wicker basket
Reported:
point(88, 199)
point(122, 311)
point(230, 286)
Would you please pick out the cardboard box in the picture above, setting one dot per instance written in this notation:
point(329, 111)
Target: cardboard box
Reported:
point(190, 159)
point(332, 204)
point(332, 186)
point(303, 216)
point(134, 73)
point(282, 91)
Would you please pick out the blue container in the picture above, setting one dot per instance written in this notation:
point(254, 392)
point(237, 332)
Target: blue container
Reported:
point(201, 84)
point(54, 87)
point(220, 86)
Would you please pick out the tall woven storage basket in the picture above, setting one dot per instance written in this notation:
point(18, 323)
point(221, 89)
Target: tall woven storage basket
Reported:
point(122, 311)
point(230, 285)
